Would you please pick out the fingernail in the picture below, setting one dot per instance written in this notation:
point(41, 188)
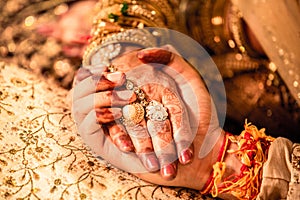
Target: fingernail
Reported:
point(155, 56)
point(168, 171)
point(125, 95)
point(140, 54)
point(145, 57)
point(152, 163)
point(186, 156)
point(115, 77)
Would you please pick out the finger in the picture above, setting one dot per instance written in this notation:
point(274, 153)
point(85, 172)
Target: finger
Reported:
point(94, 83)
point(82, 73)
point(88, 125)
point(101, 143)
point(182, 133)
point(155, 55)
point(108, 98)
point(87, 71)
point(120, 137)
point(143, 145)
point(164, 147)
point(106, 115)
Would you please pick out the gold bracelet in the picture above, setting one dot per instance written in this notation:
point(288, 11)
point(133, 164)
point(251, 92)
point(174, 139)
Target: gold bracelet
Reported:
point(206, 21)
point(103, 51)
point(236, 26)
point(113, 21)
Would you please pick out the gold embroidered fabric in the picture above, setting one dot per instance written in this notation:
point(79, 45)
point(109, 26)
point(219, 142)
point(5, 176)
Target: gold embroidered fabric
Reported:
point(42, 156)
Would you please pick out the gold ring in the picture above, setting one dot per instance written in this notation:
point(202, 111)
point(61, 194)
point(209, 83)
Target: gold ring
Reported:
point(133, 114)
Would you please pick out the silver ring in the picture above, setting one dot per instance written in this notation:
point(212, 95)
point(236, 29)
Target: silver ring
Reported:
point(156, 111)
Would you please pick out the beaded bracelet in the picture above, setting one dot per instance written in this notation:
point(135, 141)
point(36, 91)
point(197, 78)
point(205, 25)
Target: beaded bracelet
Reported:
point(115, 18)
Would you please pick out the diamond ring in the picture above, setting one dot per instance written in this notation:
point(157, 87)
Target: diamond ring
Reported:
point(156, 111)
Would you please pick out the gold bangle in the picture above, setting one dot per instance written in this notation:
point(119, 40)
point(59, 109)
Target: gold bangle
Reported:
point(110, 46)
point(207, 23)
point(115, 18)
point(236, 26)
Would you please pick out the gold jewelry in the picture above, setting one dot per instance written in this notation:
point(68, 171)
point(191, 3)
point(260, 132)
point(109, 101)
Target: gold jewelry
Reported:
point(206, 22)
point(114, 19)
point(236, 26)
point(112, 68)
point(110, 47)
point(133, 114)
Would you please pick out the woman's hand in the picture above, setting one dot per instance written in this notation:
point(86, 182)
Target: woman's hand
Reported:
point(149, 134)
point(202, 116)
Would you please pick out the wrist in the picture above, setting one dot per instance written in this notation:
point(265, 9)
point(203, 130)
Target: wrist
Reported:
point(201, 167)
point(115, 23)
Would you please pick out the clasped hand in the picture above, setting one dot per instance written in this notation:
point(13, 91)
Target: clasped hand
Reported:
point(100, 97)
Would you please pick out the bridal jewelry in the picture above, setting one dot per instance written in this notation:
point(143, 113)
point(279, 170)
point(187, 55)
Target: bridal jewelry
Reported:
point(156, 111)
point(135, 112)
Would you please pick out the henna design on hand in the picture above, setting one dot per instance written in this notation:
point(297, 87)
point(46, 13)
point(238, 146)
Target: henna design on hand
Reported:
point(120, 138)
point(106, 115)
point(174, 106)
point(140, 138)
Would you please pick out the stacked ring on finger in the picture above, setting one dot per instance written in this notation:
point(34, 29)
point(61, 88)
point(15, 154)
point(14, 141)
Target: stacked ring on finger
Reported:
point(156, 111)
point(135, 112)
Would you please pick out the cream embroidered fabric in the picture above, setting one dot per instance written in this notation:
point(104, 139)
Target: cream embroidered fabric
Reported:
point(42, 157)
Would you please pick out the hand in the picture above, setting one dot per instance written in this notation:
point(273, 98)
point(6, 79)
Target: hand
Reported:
point(203, 118)
point(208, 125)
point(71, 28)
point(158, 87)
